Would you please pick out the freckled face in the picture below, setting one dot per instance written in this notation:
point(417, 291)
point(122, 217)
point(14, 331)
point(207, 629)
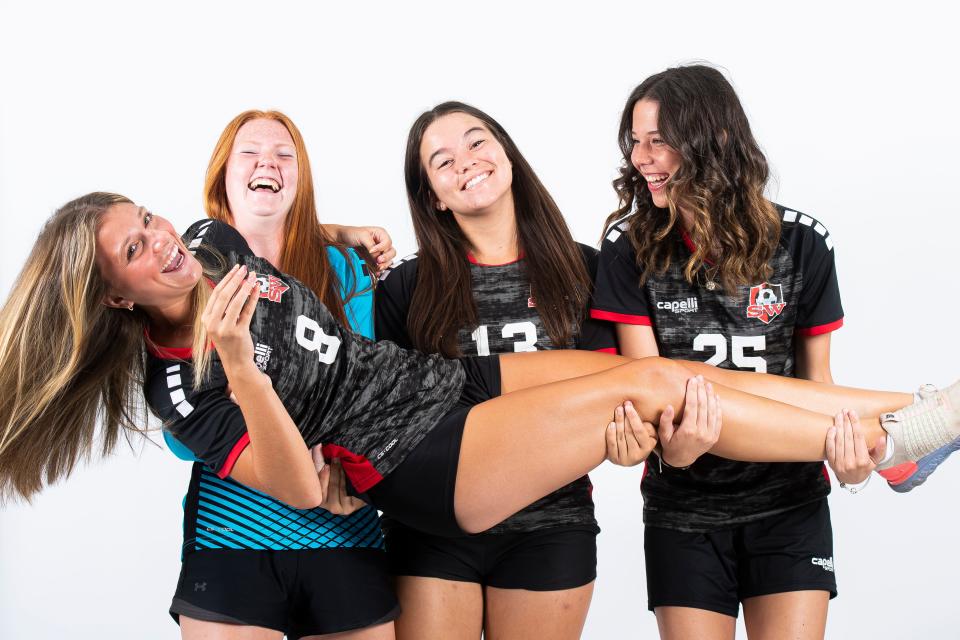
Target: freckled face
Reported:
point(468, 168)
point(651, 156)
point(261, 176)
point(143, 259)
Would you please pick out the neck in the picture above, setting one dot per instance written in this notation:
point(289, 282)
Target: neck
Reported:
point(492, 233)
point(264, 235)
point(172, 325)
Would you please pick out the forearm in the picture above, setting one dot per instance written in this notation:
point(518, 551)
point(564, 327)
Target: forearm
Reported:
point(280, 463)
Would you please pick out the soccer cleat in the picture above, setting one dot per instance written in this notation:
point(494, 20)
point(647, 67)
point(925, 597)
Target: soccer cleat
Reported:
point(925, 434)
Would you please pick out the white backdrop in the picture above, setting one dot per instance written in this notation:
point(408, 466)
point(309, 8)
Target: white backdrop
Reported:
point(855, 107)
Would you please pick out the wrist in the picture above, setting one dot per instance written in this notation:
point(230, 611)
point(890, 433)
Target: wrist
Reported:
point(245, 375)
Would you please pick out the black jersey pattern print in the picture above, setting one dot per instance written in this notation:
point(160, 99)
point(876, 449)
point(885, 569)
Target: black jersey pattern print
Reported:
point(750, 329)
point(368, 403)
point(508, 322)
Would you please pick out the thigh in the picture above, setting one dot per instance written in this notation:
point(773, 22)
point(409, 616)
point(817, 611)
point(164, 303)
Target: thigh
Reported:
point(686, 623)
point(799, 615)
point(787, 574)
point(518, 614)
point(435, 609)
point(192, 629)
point(230, 589)
point(790, 551)
point(343, 590)
point(690, 575)
point(384, 631)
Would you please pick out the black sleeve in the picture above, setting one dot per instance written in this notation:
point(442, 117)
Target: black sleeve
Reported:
point(204, 235)
point(819, 308)
point(617, 296)
point(595, 335)
point(204, 420)
point(392, 302)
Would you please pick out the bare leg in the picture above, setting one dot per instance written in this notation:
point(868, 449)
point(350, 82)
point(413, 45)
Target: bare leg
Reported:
point(815, 396)
point(523, 445)
point(687, 623)
point(517, 614)
point(435, 609)
point(798, 615)
point(192, 629)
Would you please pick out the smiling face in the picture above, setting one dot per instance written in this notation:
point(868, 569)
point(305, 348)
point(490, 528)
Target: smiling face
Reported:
point(468, 169)
point(261, 175)
point(143, 260)
point(651, 156)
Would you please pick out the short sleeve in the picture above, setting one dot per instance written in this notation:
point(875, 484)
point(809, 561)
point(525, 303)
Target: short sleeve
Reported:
point(203, 421)
point(216, 235)
point(819, 307)
point(595, 335)
point(617, 295)
point(393, 296)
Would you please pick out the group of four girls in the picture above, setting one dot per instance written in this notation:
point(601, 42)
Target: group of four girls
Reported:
point(696, 264)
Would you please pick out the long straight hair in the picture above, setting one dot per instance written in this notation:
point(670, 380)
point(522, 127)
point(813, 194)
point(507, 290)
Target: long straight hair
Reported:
point(304, 251)
point(720, 182)
point(69, 363)
point(443, 302)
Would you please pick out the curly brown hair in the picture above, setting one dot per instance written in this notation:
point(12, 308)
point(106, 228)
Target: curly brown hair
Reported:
point(719, 185)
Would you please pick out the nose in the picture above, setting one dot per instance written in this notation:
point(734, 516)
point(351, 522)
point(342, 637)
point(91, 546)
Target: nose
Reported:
point(640, 155)
point(267, 159)
point(465, 162)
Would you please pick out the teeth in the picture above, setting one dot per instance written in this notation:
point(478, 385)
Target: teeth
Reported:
point(474, 181)
point(656, 179)
point(173, 254)
point(265, 183)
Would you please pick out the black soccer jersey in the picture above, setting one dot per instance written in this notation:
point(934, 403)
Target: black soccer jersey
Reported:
point(751, 329)
point(508, 322)
point(368, 403)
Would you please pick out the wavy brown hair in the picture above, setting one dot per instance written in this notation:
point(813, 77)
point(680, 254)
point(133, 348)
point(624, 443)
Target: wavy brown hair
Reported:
point(443, 301)
point(71, 368)
point(305, 241)
point(719, 185)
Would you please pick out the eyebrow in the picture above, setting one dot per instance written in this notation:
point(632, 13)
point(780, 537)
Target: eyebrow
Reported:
point(441, 150)
point(141, 212)
point(649, 133)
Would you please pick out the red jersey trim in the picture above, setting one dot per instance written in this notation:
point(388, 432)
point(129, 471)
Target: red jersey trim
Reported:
point(826, 476)
point(819, 329)
point(692, 248)
point(502, 264)
point(610, 316)
point(358, 469)
point(166, 353)
point(233, 455)
point(612, 350)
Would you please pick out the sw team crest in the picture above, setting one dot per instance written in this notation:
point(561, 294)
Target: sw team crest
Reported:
point(766, 302)
point(272, 288)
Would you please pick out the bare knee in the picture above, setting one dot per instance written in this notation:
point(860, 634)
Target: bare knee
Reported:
point(656, 382)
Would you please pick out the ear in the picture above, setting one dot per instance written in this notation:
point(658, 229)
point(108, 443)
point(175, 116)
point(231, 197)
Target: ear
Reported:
point(117, 302)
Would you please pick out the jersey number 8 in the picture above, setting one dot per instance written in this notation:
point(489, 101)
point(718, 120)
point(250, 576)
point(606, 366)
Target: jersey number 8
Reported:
point(325, 346)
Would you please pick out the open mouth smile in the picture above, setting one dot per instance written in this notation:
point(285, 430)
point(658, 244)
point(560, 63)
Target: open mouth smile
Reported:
point(264, 184)
point(174, 260)
point(475, 180)
point(655, 181)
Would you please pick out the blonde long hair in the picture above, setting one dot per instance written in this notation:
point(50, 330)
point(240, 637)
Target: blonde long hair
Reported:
point(68, 363)
point(303, 254)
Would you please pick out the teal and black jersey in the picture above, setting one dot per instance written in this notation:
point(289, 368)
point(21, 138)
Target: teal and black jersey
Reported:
point(220, 513)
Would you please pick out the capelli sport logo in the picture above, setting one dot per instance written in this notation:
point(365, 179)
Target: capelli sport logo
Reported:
point(272, 288)
point(766, 302)
point(690, 305)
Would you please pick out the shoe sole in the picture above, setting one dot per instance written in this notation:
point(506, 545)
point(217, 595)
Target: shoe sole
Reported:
point(923, 468)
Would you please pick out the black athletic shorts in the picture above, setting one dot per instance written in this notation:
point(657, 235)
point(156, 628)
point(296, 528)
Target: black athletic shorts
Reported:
point(544, 560)
point(420, 491)
point(299, 592)
point(791, 551)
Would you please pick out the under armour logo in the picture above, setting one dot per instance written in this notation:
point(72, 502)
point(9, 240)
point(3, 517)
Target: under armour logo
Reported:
point(199, 586)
